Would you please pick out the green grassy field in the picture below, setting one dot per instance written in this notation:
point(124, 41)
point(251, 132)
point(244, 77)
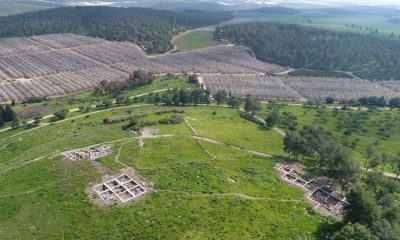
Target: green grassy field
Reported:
point(368, 132)
point(195, 197)
point(194, 40)
point(87, 98)
point(329, 21)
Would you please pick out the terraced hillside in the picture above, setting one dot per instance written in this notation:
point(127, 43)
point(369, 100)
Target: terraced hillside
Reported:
point(314, 88)
point(60, 64)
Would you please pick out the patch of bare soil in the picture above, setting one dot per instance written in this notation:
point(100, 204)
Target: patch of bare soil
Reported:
point(32, 111)
point(148, 132)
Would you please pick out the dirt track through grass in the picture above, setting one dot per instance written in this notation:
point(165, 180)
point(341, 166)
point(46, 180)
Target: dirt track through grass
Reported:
point(240, 195)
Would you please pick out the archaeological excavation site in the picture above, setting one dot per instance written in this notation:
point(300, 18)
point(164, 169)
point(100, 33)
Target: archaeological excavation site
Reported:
point(120, 188)
point(319, 192)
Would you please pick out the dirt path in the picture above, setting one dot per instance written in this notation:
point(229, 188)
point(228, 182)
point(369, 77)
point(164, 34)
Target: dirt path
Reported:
point(191, 127)
point(21, 193)
point(286, 71)
point(386, 174)
point(240, 195)
point(72, 118)
point(280, 131)
point(119, 153)
point(4, 146)
point(197, 136)
point(21, 165)
point(173, 40)
point(93, 106)
point(233, 146)
point(200, 81)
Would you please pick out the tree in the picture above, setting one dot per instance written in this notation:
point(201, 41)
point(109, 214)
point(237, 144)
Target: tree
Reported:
point(140, 78)
point(331, 51)
point(394, 102)
point(37, 119)
point(193, 78)
point(221, 96)
point(272, 118)
point(329, 100)
point(385, 160)
point(234, 102)
point(157, 98)
point(363, 207)
point(386, 230)
point(15, 124)
point(346, 170)
point(9, 114)
point(59, 115)
point(294, 145)
point(396, 164)
point(196, 96)
point(184, 97)
point(2, 113)
point(252, 105)
point(354, 232)
point(107, 103)
point(1, 122)
point(373, 158)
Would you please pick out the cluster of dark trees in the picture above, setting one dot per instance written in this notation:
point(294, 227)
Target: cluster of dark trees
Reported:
point(152, 29)
point(7, 114)
point(135, 125)
point(59, 115)
point(286, 120)
point(34, 99)
point(222, 97)
point(374, 158)
point(369, 102)
point(330, 158)
point(180, 97)
point(137, 79)
point(358, 27)
point(297, 46)
point(374, 210)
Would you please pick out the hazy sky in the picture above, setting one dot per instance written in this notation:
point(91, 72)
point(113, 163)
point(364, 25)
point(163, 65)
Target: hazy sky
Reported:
point(326, 2)
point(369, 2)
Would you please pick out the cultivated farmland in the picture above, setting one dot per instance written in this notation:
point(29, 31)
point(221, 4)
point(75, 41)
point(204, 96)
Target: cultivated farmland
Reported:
point(59, 64)
point(342, 89)
point(301, 87)
point(258, 85)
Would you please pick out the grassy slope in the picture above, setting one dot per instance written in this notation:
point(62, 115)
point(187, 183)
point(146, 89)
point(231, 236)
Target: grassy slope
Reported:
point(87, 98)
point(228, 127)
point(333, 22)
point(376, 120)
point(194, 40)
point(58, 207)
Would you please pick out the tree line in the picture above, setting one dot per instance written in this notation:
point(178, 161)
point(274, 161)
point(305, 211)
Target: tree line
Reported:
point(136, 79)
point(373, 101)
point(7, 114)
point(366, 55)
point(152, 29)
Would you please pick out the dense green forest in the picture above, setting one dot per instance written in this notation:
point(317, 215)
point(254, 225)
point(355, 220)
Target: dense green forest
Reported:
point(366, 55)
point(152, 29)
